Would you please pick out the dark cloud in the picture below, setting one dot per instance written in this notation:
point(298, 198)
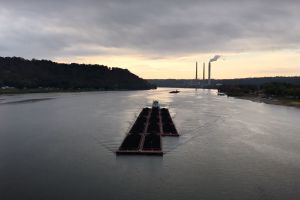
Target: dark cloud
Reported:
point(37, 28)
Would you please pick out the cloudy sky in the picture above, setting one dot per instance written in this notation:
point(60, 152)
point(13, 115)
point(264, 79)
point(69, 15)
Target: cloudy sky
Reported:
point(157, 38)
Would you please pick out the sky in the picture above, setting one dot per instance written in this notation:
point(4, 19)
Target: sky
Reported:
point(158, 38)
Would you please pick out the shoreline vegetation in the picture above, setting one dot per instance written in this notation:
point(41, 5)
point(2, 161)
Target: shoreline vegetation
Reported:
point(11, 91)
point(269, 93)
point(21, 76)
point(274, 101)
point(18, 75)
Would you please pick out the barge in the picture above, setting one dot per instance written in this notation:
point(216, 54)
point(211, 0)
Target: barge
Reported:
point(145, 135)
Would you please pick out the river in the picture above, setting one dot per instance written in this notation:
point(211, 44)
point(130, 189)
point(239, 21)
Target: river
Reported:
point(61, 146)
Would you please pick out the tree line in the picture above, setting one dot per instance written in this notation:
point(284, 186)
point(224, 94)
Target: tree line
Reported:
point(274, 89)
point(21, 73)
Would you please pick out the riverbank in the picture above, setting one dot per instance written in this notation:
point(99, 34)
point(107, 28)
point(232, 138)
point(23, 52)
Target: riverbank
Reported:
point(12, 91)
point(276, 93)
point(275, 101)
point(42, 90)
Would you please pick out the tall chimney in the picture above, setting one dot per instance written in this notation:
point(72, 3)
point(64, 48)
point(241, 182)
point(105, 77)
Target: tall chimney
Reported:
point(196, 71)
point(204, 71)
point(209, 71)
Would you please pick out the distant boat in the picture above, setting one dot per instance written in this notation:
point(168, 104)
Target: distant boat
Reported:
point(221, 94)
point(174, 91)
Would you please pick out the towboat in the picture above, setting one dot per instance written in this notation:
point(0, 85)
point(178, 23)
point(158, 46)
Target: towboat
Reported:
point(155, 104)
point(221, 94)
point(174, 91)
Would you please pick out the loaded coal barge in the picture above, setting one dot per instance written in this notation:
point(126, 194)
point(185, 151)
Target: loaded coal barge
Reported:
point(144, 137)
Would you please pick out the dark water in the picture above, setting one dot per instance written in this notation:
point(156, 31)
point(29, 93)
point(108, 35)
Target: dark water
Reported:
point(60, 146)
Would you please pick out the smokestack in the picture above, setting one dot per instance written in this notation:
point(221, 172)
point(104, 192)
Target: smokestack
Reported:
point(196, 71)
point(204, 71)
point(215, 58)
point(209, 71)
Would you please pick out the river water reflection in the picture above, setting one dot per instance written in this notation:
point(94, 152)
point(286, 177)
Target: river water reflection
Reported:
point(61, 146)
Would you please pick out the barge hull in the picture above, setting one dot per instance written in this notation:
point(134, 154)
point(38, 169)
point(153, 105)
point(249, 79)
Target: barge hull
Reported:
point(144, 137)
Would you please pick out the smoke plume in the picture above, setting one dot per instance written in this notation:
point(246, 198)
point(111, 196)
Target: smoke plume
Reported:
point(215, 58)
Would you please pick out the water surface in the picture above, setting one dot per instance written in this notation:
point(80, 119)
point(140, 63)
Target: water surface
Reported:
point(61, 146)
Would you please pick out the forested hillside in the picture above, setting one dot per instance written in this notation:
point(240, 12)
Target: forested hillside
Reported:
point(21, 73)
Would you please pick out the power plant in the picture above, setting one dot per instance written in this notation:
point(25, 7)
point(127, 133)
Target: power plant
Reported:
point(203, 84)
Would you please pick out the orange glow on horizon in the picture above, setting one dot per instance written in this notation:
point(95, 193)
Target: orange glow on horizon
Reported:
point(230, 65)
